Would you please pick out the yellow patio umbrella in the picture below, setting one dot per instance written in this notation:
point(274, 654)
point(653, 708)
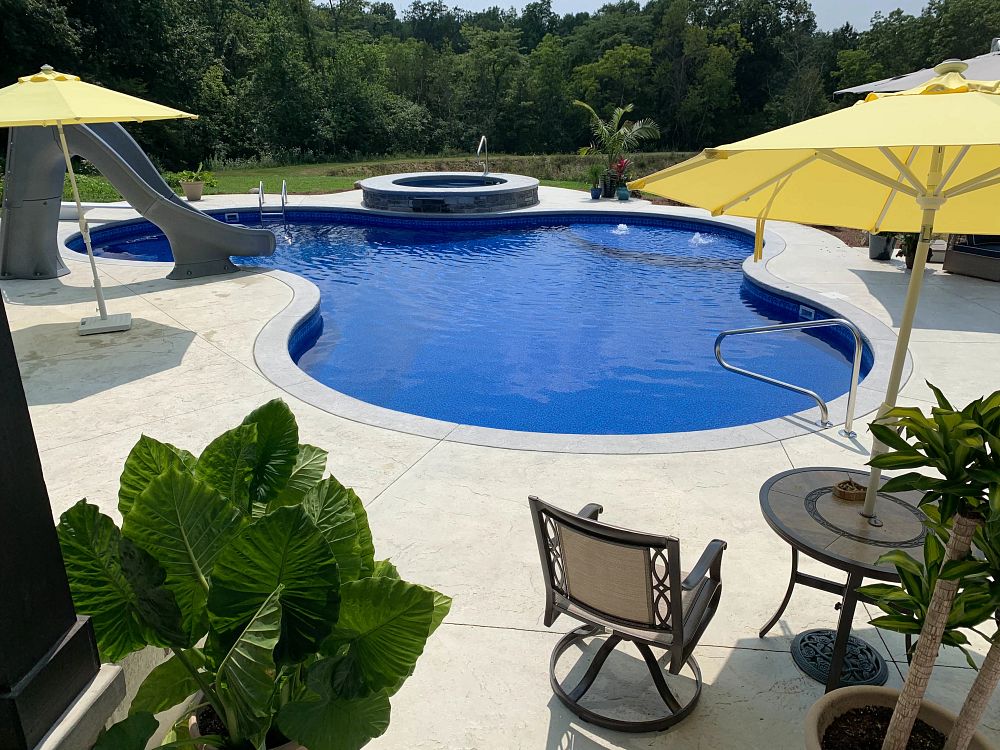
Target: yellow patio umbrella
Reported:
point(49, 98)
point(926, 159)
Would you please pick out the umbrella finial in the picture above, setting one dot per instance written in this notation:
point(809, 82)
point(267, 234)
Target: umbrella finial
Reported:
point(46, 68)
point(951, 66)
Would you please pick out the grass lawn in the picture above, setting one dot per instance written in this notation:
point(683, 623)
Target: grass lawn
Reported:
point(555, 170)
point(302, 180)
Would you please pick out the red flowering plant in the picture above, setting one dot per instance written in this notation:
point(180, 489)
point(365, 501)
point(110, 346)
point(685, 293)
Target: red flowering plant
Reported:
point(621, 169)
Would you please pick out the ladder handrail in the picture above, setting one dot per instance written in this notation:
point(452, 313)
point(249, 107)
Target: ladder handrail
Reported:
point(260, 202)
point(801, 325)
point(486, 164)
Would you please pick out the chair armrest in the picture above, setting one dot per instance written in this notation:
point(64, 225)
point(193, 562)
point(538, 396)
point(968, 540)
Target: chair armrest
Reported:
point(710, 561)
point(591, 511)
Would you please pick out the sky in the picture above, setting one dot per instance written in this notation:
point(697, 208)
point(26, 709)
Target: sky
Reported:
point(830, 14)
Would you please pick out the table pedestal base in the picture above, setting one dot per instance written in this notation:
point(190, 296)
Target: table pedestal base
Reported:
point(812, 651)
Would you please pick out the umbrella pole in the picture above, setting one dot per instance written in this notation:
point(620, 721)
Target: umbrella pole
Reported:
point(103, 324)
point(929, 203)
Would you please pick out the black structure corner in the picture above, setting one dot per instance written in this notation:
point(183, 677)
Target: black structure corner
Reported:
point(48, 655)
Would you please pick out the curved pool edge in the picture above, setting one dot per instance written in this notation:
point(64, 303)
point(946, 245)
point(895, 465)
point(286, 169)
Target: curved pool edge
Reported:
point(274, 360)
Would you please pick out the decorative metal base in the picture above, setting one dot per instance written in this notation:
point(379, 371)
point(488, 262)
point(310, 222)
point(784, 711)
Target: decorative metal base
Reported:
point(863, 665)
point(675, 711)
point(110, 324)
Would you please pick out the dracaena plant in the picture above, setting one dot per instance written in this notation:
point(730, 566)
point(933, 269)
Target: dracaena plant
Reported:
point(260, 577)
point(976, 601)
point(962, 449)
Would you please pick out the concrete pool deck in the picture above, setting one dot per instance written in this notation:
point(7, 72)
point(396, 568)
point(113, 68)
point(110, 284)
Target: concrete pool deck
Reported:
point(454, 516)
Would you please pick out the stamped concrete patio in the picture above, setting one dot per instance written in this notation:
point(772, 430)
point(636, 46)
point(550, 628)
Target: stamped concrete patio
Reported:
point(454, 516)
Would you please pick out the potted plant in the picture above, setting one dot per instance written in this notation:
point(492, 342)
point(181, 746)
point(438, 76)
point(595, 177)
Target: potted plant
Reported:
point(621, 178)
point(908, 247)
point(594, 174)
point(193, 183)
point(947, 592)
point(614, 138)
point(260, 577)
point(880, 245)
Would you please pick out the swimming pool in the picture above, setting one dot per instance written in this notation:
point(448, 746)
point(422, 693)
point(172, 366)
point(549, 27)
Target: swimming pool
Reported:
point(583, 324)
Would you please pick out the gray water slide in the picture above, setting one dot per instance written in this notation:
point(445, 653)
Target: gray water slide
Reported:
point(29, 248)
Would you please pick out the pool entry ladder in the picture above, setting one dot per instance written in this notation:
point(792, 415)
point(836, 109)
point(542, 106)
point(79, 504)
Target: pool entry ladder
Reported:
point(824, 412)
point(276, 212)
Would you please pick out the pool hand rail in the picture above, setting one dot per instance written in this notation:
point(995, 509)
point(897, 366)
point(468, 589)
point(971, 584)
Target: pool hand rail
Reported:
point(264, 211)
point(824, 420)
point(486, 164)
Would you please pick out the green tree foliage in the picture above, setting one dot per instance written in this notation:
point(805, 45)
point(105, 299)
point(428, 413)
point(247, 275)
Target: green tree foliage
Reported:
point(294, 80)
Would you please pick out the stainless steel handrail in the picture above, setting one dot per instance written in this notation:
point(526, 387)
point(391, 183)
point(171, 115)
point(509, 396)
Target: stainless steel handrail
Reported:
point(275, 212)
point(824, 412)
point(486, 164)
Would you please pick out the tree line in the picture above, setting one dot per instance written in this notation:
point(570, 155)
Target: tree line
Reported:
point(294, 80)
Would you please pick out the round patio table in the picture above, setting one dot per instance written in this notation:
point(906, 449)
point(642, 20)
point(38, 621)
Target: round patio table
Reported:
point(800, 507)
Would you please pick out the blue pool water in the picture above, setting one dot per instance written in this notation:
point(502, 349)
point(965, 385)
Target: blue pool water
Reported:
point(546, 324)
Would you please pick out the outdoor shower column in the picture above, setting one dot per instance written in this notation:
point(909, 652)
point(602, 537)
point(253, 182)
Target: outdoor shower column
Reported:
point(48, 655)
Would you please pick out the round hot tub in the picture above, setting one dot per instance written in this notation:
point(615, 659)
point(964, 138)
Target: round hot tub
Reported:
point(449, 192)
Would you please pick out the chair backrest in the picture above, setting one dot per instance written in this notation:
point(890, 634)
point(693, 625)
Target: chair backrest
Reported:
point(622, 576)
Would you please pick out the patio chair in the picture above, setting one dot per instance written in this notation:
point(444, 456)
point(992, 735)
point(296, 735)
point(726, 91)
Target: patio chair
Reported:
point(628, 585)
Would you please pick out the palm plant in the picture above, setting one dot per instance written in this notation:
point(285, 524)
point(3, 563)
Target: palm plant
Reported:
point(963, 447)
point(616, 136)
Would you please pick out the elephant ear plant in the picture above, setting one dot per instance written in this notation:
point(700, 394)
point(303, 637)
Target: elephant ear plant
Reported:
point(963, 448)
point(260, 576)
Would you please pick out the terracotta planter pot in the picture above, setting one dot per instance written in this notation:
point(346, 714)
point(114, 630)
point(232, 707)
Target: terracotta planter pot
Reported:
point(839, 702)
point(192, 190)
point(193, 730)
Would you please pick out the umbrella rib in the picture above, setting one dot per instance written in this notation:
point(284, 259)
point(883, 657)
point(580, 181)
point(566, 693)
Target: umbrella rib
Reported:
point(892, 193)
point(904, 169)
point(762, 186)
point(974, 184)
point(951, 169)
point(850, 165)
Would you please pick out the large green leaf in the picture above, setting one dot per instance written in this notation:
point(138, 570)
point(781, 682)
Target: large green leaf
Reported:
point(365, 541)
point(330, 506)
point(309, 468)
point(118, 585)
point(168, 685)
point(131, 733)
point(282, 548)
point(327, 721)
point(277, 451)
point(184, 524)
point(245, 678)
point(146, 461)
point(227, 464)
point(384, 623)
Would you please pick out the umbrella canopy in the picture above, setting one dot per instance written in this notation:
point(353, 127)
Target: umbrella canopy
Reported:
point(982, 67)
point(926, 159)
point(48, 97)
point(862, 166)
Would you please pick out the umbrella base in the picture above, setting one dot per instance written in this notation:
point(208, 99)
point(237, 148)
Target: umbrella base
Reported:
point(110, 324)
